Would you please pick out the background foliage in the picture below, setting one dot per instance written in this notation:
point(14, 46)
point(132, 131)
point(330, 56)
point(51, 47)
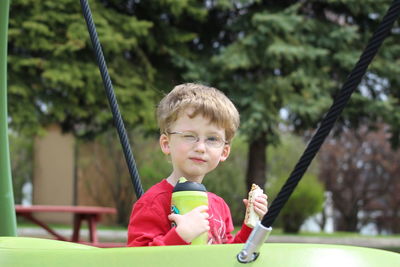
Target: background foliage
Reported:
point(365, 179)
point(308, 198)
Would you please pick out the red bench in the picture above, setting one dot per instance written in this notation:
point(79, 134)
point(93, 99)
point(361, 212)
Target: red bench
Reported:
point(89, 213)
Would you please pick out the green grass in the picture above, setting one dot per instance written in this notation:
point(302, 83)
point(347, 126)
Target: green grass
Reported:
point(338, 234)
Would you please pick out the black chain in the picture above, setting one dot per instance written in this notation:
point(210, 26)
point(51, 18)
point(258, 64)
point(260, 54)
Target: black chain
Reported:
point(118, 122)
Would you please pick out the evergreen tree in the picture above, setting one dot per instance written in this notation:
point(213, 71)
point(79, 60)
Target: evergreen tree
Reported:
point(53, 75)
point(291, 57)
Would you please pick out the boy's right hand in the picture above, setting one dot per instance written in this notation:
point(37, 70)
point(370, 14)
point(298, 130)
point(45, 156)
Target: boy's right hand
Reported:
point(192, 224)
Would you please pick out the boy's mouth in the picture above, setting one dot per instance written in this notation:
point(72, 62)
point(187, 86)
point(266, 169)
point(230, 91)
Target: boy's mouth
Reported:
point(199, 160)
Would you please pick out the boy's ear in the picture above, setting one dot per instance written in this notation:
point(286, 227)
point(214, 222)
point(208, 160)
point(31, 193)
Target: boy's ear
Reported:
point(164, 144)
point(225, 152)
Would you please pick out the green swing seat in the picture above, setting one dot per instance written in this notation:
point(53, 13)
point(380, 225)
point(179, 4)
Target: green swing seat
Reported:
point(21, 251)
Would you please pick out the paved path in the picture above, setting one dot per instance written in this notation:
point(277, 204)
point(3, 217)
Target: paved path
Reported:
point(120, 236)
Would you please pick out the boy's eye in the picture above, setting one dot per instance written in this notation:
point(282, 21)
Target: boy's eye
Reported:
point(189, 137)
point(213, 139)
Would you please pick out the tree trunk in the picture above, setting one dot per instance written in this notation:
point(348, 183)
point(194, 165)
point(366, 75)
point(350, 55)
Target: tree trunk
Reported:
point(292, 222)
point(348, 223)
point(257, 164)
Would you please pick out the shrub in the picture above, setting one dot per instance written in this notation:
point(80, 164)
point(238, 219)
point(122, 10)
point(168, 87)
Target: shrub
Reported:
point(308, 197)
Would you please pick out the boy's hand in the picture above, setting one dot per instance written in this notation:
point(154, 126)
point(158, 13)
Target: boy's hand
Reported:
point(260, 205)
point(192, 224)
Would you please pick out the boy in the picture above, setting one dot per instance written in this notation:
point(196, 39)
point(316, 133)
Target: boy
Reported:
point(197, 124)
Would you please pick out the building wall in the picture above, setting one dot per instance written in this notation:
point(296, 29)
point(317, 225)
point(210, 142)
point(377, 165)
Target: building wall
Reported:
point(55, 181)
point(53, 174)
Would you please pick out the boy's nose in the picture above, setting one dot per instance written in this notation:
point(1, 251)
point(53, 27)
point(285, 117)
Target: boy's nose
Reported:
point(200, 145)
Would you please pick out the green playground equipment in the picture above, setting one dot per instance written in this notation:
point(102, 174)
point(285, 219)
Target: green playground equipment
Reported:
point(21, 251)
point(7, 211)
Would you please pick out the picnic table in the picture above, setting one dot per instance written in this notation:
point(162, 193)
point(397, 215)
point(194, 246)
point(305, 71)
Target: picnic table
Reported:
point(91, 214)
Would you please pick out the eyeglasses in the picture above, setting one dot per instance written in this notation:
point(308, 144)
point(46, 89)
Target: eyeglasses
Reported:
point(212, 140)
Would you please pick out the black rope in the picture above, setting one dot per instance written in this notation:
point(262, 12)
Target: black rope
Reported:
point(334, 112)
point(118, 122)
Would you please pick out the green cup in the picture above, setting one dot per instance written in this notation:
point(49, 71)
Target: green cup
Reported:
point(187, 196)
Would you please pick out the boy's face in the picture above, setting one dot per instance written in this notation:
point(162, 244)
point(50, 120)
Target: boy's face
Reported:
point(191, 157)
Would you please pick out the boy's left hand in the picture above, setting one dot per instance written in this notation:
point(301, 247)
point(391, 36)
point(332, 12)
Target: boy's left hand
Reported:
point(260, 205)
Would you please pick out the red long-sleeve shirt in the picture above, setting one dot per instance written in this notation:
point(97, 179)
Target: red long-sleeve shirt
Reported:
point(149, 224)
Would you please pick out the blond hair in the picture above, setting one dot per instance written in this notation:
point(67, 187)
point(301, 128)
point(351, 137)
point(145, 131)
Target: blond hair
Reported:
point(207, 101)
